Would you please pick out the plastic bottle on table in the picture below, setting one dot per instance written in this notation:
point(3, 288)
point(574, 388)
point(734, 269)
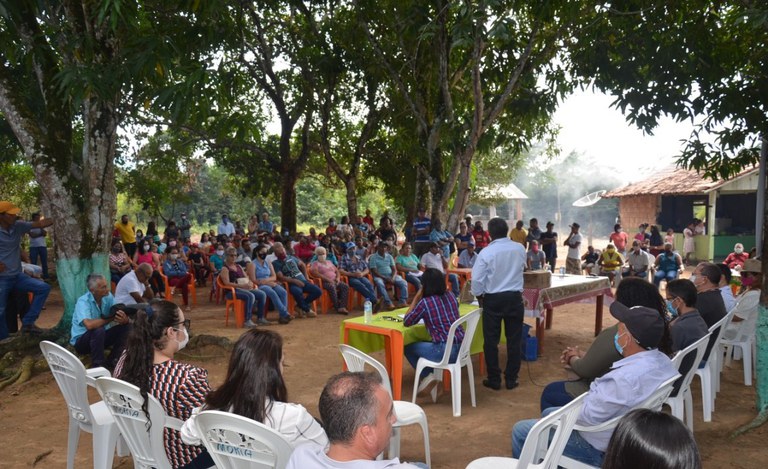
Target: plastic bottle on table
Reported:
point(368, 311)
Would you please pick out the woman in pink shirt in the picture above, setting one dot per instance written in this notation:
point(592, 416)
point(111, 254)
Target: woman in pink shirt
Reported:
point(324, 269)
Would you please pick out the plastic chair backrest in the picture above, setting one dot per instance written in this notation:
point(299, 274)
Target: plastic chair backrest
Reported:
point(542, 450)
point(687, 362)
point(716, 332)
point(746, 328)
point(470, 319)
point(124, 402)
point(236, 442)
point(356, 361)
point(70, 375)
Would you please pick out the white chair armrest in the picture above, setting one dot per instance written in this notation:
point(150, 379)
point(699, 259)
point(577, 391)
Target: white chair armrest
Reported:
point(91, 374)
point(173, 423)
point(598, 428)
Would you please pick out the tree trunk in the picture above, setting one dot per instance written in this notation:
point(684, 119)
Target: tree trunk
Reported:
point(462, 198)
point(288, 201)
point(351, 186)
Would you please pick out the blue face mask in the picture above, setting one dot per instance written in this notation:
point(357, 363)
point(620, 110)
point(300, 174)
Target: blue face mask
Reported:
point(619, 348)
point(671, 308)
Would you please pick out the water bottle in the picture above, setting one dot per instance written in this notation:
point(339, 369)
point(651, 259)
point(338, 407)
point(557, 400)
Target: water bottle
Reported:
point(368, 311)
point(562, 271)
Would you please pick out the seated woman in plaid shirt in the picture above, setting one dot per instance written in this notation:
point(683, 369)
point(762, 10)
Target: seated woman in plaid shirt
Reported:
point(439, 309)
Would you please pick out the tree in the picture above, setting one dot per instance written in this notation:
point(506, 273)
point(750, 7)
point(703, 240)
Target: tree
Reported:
point(470, 76)
point(70, 72)
point(692, 59)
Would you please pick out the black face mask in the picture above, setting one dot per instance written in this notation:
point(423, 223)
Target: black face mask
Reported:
point(262, 255)
point(116, 250)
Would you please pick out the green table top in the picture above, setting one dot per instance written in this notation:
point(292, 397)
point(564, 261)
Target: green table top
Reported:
point(369, 342)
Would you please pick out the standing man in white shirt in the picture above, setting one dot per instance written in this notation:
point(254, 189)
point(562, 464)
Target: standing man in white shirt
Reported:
point(226, 227)
point(573, 260)
point(497, 282)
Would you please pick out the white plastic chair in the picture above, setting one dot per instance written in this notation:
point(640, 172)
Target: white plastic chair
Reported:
point(73, 379)
point(744, 339)
point(237, 442)
point(653, 402)
point(406, 413)
point(463, 359)
point(124, 402)
point(538, 451)
point(710, 372)
point(681, 402)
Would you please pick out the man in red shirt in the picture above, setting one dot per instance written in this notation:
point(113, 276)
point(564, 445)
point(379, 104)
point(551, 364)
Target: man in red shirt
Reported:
point(619, 239)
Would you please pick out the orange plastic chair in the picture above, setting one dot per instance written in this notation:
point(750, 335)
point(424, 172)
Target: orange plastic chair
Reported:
point(237, 306)
point(325, 298)
point(168, 287)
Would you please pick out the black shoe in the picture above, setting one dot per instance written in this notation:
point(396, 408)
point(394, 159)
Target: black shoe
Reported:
point(512, 384)
point(490, 384)
point(377, 305)
point(284, 319)
point(31, 329)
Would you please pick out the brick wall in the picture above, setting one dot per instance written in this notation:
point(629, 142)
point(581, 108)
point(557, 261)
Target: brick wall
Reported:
point(639, 209)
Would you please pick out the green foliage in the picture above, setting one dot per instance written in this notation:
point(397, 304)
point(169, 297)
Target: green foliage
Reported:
point(691, 59)
point(17, 184)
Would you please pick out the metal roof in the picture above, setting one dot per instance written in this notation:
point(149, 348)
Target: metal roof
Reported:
point(676, 181)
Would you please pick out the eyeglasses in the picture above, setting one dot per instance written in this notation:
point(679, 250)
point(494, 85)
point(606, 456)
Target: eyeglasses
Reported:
point(187, 323)
point(391, 318)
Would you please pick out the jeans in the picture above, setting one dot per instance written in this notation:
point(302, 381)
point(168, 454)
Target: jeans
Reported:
point(364, 287)
point(576, 448)
point(506, 307)
point(311, 290)
point(400, 285)
point(413, 280)
point(95, 341)
point(252, 298)
point(24, 283)
point(279, 298)
point(555, 395)
point(454, 279)
point(661, 275)
point(42, 253)
point(432, 351)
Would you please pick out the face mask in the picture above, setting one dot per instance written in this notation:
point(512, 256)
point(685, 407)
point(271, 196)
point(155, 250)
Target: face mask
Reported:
point(174, 256)
point(672, 310)
point(185, 340)
point(747, 281)
point(146, 247)
point(693, 278)
point(535, 248)
point(619, 348)
point(116, 249)
point(322, 257)
point(668, 251)
point(262, 255)
point(172, 243)
point(281, 256)
point(738, 250)
point(220, 253)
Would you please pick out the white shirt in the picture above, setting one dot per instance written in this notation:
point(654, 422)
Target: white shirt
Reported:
point(226, 229)
point(499, 268)
point(574, 253)
point(292, 421)
point(129, 283)
point(311, 456)
point(432, 261)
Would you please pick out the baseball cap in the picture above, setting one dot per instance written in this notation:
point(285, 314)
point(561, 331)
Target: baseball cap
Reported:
point(549, 223)
point(350, 245)
point(9, 208)
point(575, 225)
point(645, 324)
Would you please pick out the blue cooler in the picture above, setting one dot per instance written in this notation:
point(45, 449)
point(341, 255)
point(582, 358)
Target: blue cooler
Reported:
point(529, 345)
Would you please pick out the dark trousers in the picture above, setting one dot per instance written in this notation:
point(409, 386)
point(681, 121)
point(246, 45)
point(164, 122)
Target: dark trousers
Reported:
point(130, 249)
point(41, 253)
point(95, 341)
point(15, 309)
point(555, 395)
point(507, 308)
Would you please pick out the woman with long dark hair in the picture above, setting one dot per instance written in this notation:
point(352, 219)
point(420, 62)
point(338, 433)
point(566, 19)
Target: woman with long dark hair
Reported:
point(148, 363)
point(255, 388)
point(439, 309)
point(585, 366)
point(651, 439)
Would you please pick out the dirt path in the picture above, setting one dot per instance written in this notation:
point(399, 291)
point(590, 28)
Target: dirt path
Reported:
point(34, 418)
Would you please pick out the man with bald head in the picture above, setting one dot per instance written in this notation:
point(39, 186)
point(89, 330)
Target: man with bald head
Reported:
point(134, 288)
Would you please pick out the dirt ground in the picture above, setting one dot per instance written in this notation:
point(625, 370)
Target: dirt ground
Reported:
point(34, 418)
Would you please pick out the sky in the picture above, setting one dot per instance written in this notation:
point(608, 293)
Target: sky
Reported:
point(602, 135)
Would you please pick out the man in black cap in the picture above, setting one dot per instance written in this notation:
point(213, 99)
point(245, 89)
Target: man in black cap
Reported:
point(631, 381)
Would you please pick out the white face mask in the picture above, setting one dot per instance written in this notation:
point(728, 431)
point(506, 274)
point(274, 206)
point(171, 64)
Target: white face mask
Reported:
point(183, 342)
point(738, 250)
point(146, 247)
point(322, 257)
point(174, 256)
point(220, 253)
point(693, 278)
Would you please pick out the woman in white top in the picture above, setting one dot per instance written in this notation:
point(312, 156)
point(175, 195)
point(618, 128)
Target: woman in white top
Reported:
point(747, 301)
point(254, 388)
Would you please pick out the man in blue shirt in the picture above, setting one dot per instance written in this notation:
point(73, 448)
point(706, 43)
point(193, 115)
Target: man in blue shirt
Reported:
point(443, 238)
point(265, 224)
point(384, 274)
point(291, 270)
point(422, 226)
point(11, 275)
point(94, 328)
